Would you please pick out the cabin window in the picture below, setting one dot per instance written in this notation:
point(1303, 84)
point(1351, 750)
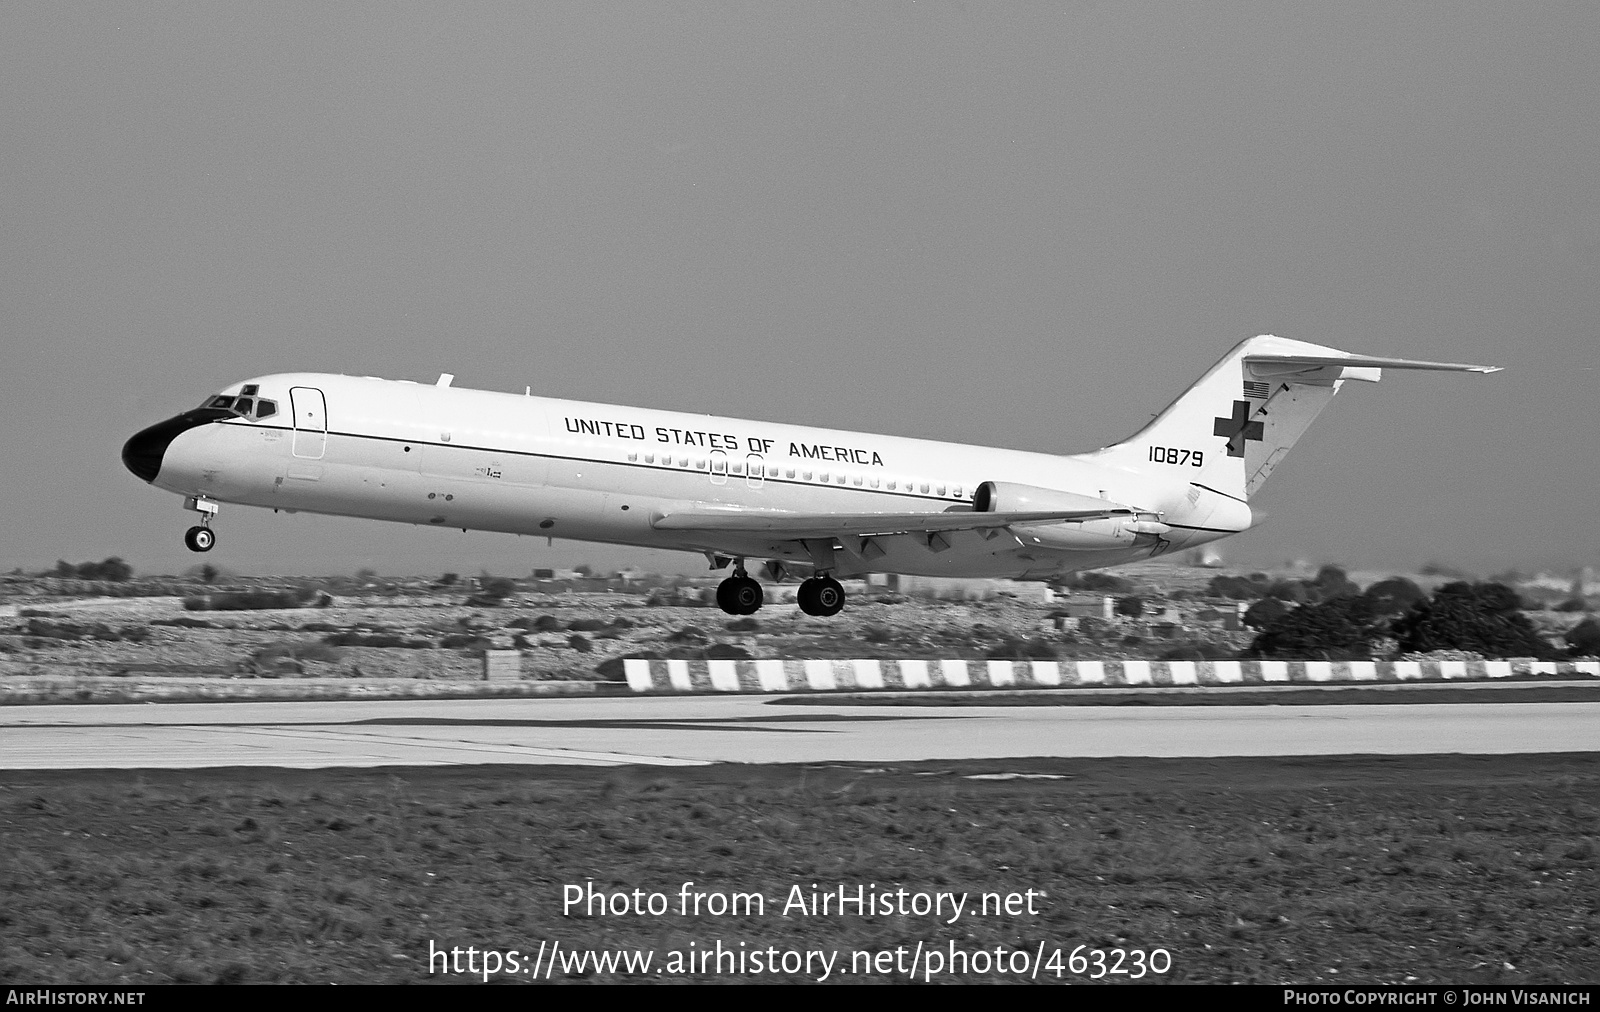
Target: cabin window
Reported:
point(892, 484)
point(956, 491)
point(632, 457)
point(856, 481)
point(649, 458)
point(684, 462)
point(874, 482)
point(941, 490)
point(806, 476)
point(924, 488)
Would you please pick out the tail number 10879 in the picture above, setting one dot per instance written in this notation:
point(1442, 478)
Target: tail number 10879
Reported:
point(1176, 455)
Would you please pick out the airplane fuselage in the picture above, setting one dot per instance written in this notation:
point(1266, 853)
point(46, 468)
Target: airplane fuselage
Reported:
point(480, 460)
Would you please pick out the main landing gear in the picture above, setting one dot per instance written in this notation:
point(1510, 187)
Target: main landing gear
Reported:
point(820, 595)
point(200, 538)
point(739, 594)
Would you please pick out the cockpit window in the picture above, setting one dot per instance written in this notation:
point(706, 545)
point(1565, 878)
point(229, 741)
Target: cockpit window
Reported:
point(244, 406)
point(250, 390)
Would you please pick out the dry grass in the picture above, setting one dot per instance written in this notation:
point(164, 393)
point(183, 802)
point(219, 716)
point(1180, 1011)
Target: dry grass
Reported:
point(1341, 870)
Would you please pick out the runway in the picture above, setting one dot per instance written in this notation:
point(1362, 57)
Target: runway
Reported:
point(750, 729)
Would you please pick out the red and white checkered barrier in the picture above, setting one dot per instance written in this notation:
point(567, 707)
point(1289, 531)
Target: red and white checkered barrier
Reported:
point(856, 675)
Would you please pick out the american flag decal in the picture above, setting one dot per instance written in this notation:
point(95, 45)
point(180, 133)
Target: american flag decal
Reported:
point(1260, 391)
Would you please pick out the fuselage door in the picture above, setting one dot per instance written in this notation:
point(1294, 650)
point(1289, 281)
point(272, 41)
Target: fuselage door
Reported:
point(719, 467)
point(755, 472)
point(310, 422)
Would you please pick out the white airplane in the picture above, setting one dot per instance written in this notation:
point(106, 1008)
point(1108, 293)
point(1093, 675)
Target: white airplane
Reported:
point(805, 499)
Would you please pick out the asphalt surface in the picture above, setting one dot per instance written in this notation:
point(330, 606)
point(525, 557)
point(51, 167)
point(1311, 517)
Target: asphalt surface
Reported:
point(752, 729)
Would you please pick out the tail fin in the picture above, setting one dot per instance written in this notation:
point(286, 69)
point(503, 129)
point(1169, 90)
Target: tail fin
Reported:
point(1238, 421)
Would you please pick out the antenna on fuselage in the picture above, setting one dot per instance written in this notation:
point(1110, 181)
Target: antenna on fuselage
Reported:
point(445, 379)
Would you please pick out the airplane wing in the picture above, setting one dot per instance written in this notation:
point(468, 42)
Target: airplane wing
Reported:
point(733, 520)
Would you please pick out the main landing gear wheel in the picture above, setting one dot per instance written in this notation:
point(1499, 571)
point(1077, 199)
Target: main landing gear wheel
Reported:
point(199, 539)
point(821, 595)
point(739, 595)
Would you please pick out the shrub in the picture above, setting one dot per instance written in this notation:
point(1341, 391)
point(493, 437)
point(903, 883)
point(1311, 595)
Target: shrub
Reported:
point(1345, 628)
point(745, 624)
point(580, 643)
point(1103, 582)
point(1331, 582)
point(1481, 618)
point(1583, 639)
point(726, 652)
point(586, 625)
point(258, 600)
point(688, 634)
point(1265, 612)
point(1239, 588)
point(1132, 606)
point(1394, 596)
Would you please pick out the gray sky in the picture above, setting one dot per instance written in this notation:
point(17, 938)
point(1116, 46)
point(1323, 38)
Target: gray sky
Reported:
point(1025, 225)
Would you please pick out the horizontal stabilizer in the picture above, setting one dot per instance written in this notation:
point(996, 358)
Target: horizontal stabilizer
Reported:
point(823, 525)
point(1297, 362)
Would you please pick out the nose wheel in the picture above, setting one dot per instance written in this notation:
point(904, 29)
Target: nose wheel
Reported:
point(821, 596)
point(199, 539)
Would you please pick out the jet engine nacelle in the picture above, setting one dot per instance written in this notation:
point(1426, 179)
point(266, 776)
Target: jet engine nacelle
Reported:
point(1098, 534)
point(1010, 497)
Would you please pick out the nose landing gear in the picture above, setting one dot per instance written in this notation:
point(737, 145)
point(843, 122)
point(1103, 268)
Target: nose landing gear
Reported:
point(200, 538)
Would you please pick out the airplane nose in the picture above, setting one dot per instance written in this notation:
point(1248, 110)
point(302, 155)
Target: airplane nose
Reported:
point(144, 452)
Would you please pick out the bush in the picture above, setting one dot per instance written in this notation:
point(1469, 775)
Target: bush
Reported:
point(746, 624)
point(1265, 612)
point(1480, 618)
point(1343, 629)
point(258, 600)
point(1239, 588)
point(1130, 606)
point(1583, 639)
point(1331, 582)
point(586, 625)
point(1394, 596)
point(1103, 582)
